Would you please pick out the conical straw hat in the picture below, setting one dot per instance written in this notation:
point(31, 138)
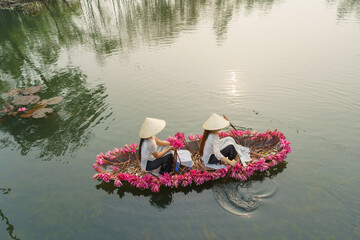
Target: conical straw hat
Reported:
point(151, 127)
point(215, 122)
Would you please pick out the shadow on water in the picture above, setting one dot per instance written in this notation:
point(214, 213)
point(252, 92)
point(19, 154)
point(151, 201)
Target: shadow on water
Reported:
point(235, 196)
point(9, 226)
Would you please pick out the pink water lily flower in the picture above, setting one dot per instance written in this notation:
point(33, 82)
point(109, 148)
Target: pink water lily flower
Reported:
point(100, 161)
point(22, 109)
point(191, 137)
point(117, 183)
point(174, 142)
point(133, 147)
point(155, 187)
point(122, 151)
point(180, 136)
point(127, 148)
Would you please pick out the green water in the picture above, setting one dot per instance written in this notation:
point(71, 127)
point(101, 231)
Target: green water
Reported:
point(293, 65)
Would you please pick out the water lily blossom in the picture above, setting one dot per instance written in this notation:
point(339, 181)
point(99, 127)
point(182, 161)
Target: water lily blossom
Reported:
point(191, 137)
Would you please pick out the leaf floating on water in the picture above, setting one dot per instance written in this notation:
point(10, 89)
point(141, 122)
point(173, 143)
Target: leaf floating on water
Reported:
point(11, 114)
point(52, 101)
point(32, 90)
point(26, 115)
point(25, 100)
point(8, 108)
point(32, 110)
point(13, 92)
point(42, 112)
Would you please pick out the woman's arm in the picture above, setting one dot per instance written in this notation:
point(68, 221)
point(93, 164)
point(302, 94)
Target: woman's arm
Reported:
point(218, 155)
point(162, 143)
point(162, 153)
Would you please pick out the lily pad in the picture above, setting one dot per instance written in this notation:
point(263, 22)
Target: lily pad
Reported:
point(32, 90)
point(42, 112)
point(52, 101)
point(11, 114)
point(32, 110)
point(29, 113)
point(25, 100)
point(13, 92)
point(26, 115)
point(8, 108)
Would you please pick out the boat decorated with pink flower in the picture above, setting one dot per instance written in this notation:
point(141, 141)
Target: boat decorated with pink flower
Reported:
point(123, 165)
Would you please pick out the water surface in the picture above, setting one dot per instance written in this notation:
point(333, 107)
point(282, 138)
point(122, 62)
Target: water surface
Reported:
point(291, 65)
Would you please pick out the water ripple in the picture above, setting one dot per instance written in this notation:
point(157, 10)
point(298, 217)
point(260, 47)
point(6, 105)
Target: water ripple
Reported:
point(241, 198)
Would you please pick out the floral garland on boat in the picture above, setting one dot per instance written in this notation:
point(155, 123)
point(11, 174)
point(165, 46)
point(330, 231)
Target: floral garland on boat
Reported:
point(148, 181)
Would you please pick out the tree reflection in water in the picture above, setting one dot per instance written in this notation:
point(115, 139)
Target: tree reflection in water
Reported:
point(345, 8)
point(66, 130)
point(165, 196)
point(31, 49)
point(9, 226)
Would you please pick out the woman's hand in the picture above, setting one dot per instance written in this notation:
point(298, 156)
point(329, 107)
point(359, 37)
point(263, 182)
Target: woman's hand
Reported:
point(161, 143)
point(172, 148)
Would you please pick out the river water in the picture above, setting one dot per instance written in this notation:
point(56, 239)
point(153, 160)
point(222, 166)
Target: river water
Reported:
point(293, 65)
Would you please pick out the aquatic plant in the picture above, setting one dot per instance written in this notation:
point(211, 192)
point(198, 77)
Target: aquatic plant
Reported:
point(26, 97)
point(191, 137)
point(176, 143)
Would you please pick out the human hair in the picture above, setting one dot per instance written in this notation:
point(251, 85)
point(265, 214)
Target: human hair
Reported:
point(140, 144)
point(203, 140)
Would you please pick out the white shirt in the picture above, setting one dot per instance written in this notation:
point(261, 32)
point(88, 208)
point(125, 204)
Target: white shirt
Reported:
point(147, 149)
point(212, 146)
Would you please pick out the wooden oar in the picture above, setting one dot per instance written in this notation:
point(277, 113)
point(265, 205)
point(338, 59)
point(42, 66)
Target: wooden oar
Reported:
point(230, 169)
point(230, 123)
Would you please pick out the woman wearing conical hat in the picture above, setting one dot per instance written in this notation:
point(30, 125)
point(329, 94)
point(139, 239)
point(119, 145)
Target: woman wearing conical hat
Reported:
point(153, 152)
point(214, 150)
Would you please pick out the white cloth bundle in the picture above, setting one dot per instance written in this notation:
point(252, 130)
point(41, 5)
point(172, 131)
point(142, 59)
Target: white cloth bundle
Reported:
point(185, 158)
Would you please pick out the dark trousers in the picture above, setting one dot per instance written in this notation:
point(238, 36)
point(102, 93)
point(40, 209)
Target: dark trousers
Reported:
point(228, 152)
point(165, 162)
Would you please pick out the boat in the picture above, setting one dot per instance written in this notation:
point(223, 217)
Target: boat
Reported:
point(123, 165)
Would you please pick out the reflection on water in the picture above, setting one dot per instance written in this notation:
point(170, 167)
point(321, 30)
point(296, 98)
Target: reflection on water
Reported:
point(113, 24)
point(9, 226)
point(66, 130)
point(345, 8)
point(35, 52)
point(32, 48)
point(4, 219)
point(235, 196)
point(87, 51)
point(224, 11)
point(110, 26)
point(243, 197)
point(160, 200)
